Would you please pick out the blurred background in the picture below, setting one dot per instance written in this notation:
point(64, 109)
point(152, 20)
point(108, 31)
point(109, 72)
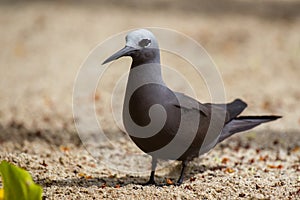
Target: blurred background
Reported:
point(254, 43)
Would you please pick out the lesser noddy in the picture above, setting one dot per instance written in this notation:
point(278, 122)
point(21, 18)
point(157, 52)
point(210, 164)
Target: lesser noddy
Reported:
point(167, 124)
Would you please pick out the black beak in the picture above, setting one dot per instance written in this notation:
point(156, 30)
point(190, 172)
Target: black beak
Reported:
point(123, 52)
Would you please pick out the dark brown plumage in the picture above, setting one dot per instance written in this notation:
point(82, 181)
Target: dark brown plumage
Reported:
point(167, 124)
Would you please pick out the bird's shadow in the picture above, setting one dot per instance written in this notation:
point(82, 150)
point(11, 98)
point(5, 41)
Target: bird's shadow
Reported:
point(121, 181)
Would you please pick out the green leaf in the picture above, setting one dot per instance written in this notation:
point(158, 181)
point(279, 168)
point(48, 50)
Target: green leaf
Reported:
point(18, 184)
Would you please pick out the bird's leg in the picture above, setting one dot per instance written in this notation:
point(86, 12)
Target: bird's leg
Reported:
point(153, 167)
point(180, 180)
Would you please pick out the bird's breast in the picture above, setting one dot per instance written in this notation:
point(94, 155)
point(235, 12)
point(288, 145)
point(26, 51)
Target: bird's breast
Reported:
point(149, 118)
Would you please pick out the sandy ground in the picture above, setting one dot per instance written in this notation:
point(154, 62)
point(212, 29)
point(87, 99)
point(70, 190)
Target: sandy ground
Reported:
point(257, 53)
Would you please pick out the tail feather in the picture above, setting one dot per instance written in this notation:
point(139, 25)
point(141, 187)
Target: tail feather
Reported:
point(244, 123)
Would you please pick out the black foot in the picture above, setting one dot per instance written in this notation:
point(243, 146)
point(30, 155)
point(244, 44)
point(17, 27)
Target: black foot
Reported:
point(150, 182)
point(179, 182)
point(151, 179)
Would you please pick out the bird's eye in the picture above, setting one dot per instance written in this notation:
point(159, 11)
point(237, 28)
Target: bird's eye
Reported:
point(144, 42)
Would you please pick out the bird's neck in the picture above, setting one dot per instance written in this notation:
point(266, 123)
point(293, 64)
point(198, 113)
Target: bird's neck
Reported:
point(144, 74)
point(145, 68)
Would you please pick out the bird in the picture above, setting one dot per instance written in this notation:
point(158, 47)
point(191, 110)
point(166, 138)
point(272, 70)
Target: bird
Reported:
point(167, 124)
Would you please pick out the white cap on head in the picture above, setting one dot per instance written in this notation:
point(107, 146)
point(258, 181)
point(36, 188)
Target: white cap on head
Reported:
point(141, 38)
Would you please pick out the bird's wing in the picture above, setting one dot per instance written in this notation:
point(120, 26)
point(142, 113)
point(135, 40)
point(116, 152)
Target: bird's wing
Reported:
point(188, 103)
point(233, 109)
